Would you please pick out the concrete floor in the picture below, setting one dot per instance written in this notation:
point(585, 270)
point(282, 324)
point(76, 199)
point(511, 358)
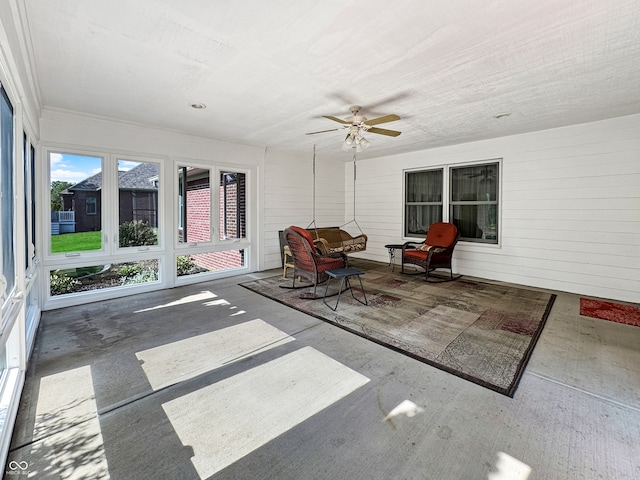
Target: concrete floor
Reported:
point(214, 381)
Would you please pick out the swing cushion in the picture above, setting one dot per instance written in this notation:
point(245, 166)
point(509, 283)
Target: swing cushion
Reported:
point(336, 240)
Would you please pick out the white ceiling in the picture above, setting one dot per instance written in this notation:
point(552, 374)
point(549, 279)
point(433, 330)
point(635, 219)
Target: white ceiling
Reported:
point(268, 70)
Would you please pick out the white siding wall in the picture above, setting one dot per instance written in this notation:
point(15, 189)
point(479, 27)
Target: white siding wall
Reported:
point(570, 209)
point(288, 196)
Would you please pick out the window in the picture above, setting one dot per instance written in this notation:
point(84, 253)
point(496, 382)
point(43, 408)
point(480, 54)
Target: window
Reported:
point(7, 274)
point(232, 205)
point(32, 181)
point(473, 206)
point(471, 203)
point(76, 190)
point(138, 203)
point(202, 251)
point(194, 205)
point(91, 205)
point(423, 201)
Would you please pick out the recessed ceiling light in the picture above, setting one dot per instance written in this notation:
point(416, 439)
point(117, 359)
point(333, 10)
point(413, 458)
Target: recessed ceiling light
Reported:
point(501, 115)
point(198, 106)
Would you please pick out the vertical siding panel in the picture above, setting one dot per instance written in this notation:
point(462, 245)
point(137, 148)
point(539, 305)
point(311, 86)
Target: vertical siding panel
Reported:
point(288, 196)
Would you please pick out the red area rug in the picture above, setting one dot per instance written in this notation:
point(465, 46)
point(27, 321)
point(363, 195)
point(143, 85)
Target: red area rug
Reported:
point(615, 312)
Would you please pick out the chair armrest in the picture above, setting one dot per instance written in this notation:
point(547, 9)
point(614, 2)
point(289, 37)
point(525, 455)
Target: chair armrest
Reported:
point(322, 245)
point(411, 245)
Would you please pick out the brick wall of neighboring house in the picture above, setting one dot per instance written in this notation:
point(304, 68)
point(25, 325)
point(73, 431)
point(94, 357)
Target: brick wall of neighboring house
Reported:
point(231, 211)
point(85, 222)
point(217, 261)
point(198, 211)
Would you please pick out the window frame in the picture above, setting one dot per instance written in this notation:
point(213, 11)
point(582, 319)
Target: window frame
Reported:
point(93, 202)
point(159, 201)
point(179, 212)
point(421, 203)
point(448, 203)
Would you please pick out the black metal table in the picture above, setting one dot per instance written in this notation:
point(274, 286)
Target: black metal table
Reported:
point(343, 274)
point(392, 252)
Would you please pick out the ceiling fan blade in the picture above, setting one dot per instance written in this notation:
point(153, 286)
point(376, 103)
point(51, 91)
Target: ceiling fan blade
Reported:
point(336, 119)
point(323, 131)
point(384, 131)
point(385, 119)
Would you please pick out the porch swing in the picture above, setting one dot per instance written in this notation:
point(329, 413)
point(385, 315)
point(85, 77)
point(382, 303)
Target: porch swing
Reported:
point(336, 239)
point(331, 240)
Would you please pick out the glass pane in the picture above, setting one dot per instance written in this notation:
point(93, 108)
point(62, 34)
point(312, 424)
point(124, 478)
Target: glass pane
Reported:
point(7, 195)
point(138, 203)
point(194, 205)
point(97, 277)
point(476, 183)
point(3, 360)
point(74, 179)
point(27, 191)
point(419, 217)
point(424, 186)
point(476, 221)
point(233, 195)
point(33, 197)
point(209, 262)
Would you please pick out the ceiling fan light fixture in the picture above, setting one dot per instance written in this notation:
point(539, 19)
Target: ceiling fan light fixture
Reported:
point(364, 143)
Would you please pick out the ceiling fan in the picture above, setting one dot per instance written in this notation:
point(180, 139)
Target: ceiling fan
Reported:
point(356, 125)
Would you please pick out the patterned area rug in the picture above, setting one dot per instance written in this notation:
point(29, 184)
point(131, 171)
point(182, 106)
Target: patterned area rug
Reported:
point(479, 331)
point(615, 312)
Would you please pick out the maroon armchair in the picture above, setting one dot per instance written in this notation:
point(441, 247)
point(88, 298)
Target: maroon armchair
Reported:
point(435, 252)
point(308, 263)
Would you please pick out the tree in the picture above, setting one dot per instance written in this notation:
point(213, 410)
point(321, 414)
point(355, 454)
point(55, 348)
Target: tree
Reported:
point(58, 186)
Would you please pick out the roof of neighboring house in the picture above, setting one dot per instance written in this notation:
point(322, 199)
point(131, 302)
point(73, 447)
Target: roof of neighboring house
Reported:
point(94, 182)
point(142, 177)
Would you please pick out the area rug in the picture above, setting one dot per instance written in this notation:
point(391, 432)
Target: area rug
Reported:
point(480, 331)
point(614, 312)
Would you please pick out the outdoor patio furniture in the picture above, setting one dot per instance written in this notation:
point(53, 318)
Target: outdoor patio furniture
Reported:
point(337, 240)
point(308, 263)
point(344, 274)
point(435, 252)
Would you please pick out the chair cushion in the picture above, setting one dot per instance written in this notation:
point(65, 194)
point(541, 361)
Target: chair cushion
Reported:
point(441, 234)
point(306, 235)
point(417, 254)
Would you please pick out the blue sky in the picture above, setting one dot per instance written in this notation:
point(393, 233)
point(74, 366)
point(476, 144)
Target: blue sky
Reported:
point(75, 168)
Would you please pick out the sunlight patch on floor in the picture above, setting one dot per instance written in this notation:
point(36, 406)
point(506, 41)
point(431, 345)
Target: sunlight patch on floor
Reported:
point(198, 297)
point(240, 414)
point(405, 408)
point(509, 468)
point(178, 361)
point(65, 400)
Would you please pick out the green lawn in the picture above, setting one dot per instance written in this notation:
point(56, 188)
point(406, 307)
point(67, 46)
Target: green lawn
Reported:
point(75, 242)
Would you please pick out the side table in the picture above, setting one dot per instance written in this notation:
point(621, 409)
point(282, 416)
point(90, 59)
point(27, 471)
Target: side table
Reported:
point(392, 252)
point(343, 274)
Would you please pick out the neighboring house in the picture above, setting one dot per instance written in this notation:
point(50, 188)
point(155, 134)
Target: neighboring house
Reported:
point(138, 198)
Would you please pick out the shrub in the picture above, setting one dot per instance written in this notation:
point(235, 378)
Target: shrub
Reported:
point(185, 265)
point(62, 283)
point(129, 270)
point(142, 276)
point(137, 233)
